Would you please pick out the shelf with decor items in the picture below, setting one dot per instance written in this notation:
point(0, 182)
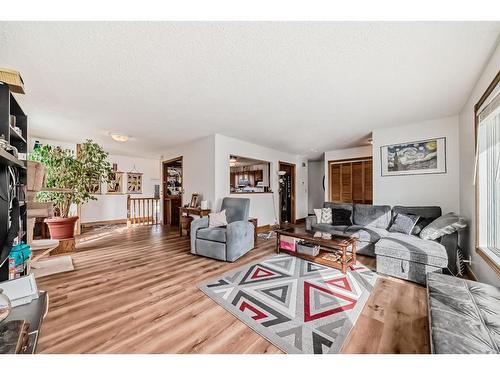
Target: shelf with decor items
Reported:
point(13, 175)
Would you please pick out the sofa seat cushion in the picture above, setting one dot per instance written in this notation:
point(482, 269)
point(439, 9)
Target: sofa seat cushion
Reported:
point(329, 228)
point(217, 234)
point(412, 248)
point(367, 234)
point(464, 315)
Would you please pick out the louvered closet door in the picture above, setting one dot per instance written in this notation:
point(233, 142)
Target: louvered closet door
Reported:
point(335, 182)
point(358, 185)
point(368, 181)
point(346, 182)
point(351, 181)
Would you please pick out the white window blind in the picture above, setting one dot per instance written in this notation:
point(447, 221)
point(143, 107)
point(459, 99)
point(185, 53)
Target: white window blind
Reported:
point(488, 179)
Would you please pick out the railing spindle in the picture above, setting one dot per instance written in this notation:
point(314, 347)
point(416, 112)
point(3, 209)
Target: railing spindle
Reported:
point(143, 211)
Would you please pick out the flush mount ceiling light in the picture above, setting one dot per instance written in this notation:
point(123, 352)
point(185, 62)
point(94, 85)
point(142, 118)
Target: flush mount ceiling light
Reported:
point(232, 161)
point(119, 137)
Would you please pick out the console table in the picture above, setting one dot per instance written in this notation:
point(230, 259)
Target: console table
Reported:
point(185, 220)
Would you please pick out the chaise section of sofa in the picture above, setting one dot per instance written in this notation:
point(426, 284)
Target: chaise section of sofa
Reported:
point(464, 316)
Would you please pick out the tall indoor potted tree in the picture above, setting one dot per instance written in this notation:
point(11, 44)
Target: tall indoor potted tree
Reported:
point(70, 180)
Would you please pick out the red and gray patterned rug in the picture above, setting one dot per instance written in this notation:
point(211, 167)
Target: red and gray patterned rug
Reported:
point(299, 306)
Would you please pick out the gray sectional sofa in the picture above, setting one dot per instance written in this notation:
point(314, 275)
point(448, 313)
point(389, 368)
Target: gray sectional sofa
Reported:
point(400, 255)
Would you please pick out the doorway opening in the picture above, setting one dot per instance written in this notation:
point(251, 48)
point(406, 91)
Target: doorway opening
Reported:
point(172, 191)
point(286, 175)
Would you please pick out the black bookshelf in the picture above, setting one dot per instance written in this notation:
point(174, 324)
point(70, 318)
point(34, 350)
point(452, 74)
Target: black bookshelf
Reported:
point(11, 167)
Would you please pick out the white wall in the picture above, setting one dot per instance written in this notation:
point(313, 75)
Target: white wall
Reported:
point(480, 268)
point(347, 153)
point(316, 193)
point(431, 189)
point(197, 168)
point(114, 207)
point(261, 205)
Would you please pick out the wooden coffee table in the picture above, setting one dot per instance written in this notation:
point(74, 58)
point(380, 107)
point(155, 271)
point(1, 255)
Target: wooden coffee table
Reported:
point(338, 252)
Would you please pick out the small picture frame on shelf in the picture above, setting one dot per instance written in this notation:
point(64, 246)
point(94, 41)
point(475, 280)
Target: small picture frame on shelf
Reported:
point(194, 200)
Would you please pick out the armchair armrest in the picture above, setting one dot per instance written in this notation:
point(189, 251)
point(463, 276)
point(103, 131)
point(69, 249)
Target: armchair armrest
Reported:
point(310, 221)
point(240, 239)
point(196, 224)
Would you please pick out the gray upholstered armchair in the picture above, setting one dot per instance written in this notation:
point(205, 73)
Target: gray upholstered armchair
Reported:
point(225, 243)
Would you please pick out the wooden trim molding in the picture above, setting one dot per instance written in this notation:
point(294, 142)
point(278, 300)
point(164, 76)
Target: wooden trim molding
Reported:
point(487, 259)
point(339, 161)
point(104, 222)
point(478, 105)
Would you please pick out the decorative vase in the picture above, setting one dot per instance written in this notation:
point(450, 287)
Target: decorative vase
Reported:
point(204, 205)
point(62, 228)
point(5, 306)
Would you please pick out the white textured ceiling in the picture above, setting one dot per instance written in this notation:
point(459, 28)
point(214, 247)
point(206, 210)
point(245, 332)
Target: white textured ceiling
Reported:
point(292, 86)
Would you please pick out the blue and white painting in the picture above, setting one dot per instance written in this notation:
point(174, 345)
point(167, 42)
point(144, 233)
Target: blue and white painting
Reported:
point(420, 157)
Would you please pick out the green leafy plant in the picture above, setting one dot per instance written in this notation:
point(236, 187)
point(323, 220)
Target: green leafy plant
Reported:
point(75, 176)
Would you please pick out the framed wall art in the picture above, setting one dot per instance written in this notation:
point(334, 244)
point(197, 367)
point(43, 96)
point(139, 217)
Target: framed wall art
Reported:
point(134, 183)
point(95, 189)
point(115, 183)
point(411, 158)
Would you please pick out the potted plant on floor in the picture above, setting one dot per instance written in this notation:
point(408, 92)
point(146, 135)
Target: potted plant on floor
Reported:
point(70, 179)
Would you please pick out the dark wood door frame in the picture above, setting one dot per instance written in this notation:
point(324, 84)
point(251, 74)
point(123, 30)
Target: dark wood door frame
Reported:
point(340, 161)
point(294, 178)
point(163, 182)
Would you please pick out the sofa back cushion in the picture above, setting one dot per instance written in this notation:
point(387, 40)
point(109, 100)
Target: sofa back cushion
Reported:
point(428, 212)
point(372, 216)
point(427, 215)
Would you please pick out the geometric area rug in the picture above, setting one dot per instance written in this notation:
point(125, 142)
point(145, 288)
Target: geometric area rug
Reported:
point(297, 305)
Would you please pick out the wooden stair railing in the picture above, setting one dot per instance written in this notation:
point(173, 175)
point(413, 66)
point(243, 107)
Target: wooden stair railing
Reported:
point(143, 211)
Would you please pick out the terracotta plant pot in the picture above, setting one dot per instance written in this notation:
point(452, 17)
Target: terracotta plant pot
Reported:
point(61, 228)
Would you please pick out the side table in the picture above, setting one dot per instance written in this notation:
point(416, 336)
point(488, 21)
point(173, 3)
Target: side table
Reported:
point(185, 218)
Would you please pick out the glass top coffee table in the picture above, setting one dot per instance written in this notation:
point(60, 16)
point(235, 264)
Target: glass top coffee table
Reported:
point(336, 250)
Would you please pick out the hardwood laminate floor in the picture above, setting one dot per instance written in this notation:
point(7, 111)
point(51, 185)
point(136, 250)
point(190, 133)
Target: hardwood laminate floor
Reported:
point(134, 291)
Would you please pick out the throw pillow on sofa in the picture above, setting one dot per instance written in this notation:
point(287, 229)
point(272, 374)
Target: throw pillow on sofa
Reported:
point(341, 216)
point(404, 223)
point(323, 215)
point(217, 219)
point(421, 224)
point(445, 224)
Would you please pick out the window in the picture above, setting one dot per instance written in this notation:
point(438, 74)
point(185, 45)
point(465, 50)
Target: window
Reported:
point(488, 177)
point(248, 176)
